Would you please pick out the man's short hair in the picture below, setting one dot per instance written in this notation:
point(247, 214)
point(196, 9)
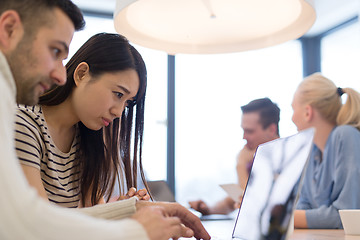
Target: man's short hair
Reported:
point(269, 112)
point(36, 13)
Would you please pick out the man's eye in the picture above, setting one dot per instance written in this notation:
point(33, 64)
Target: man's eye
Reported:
point(56, 52)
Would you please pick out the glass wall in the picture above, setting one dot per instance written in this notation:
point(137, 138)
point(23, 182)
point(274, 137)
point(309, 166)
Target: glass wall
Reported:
point(341, 56)
point(209, 92)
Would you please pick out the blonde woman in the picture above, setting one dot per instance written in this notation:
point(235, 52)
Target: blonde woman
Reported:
point(333, 174)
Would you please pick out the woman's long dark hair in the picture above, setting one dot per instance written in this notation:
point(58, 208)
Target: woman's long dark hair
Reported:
point(105, 153)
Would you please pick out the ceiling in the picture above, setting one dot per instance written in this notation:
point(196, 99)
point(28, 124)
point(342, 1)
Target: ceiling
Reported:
point(329, 12)
point(333, 12)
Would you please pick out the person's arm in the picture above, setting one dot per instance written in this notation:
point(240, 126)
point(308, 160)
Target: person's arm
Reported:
point(227, 205)
point(300, 219)
point(186, 217)
point(125, 208)
point(224, 206)
point(155, 222)
point(28, 148)
point(159, 226)
point(112, 211)
point(300, 213)
point(34, 179)
point(244, 159)
point(200, 206)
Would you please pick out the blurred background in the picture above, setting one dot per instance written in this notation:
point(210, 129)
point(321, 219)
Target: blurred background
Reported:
point(196, 151)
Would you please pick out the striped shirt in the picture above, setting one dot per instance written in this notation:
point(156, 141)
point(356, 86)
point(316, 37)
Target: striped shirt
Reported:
point(59, 171)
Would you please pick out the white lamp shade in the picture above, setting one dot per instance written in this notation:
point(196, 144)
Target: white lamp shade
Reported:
point(212, 26)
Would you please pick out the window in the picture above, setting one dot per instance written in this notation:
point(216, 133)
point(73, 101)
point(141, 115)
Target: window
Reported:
point(209, 92)
point(341, 56)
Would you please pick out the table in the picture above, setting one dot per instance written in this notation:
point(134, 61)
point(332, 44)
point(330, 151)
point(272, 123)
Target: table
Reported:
point(223, 229)
point(321, 234)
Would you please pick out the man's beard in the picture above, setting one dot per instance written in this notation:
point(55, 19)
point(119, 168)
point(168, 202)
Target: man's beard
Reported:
point(22, 63)
point(28, 95)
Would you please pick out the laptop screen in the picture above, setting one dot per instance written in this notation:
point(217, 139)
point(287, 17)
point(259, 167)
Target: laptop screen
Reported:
point(272, 188)
point(161, 191)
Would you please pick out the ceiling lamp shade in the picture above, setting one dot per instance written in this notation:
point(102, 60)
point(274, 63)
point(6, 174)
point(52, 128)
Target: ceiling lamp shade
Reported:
point(212, 26)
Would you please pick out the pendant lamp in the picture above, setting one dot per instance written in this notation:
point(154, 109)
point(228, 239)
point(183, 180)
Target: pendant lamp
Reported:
point(212, 26)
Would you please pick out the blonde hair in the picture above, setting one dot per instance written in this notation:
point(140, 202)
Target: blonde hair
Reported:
point(322, 94)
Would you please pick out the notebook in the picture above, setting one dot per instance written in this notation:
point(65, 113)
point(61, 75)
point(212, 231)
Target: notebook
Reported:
point(273, 188)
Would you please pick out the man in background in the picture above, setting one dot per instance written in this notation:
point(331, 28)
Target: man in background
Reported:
point(260, 123)
point(34, 40)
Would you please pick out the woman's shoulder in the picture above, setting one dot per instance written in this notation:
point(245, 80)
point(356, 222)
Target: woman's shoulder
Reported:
point(27, 108)
point(29, 115)
point(345, 131)
point(31, 111)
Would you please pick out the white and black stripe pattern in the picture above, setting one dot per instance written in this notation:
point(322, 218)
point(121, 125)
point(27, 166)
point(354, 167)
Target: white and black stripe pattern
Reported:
point(60, 172)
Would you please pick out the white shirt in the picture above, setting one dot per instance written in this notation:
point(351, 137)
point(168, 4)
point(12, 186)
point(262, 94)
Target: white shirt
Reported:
point(24, 215)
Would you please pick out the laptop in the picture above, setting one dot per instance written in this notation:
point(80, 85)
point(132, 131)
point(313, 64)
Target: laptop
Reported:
point(273, 188)
point(161, 191)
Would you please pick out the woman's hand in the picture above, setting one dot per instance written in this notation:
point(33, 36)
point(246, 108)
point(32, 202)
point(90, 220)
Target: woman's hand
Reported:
point(142, 194)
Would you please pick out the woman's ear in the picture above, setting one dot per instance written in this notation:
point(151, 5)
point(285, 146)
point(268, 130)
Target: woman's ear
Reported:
point(309, 113)
point(81, 72)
